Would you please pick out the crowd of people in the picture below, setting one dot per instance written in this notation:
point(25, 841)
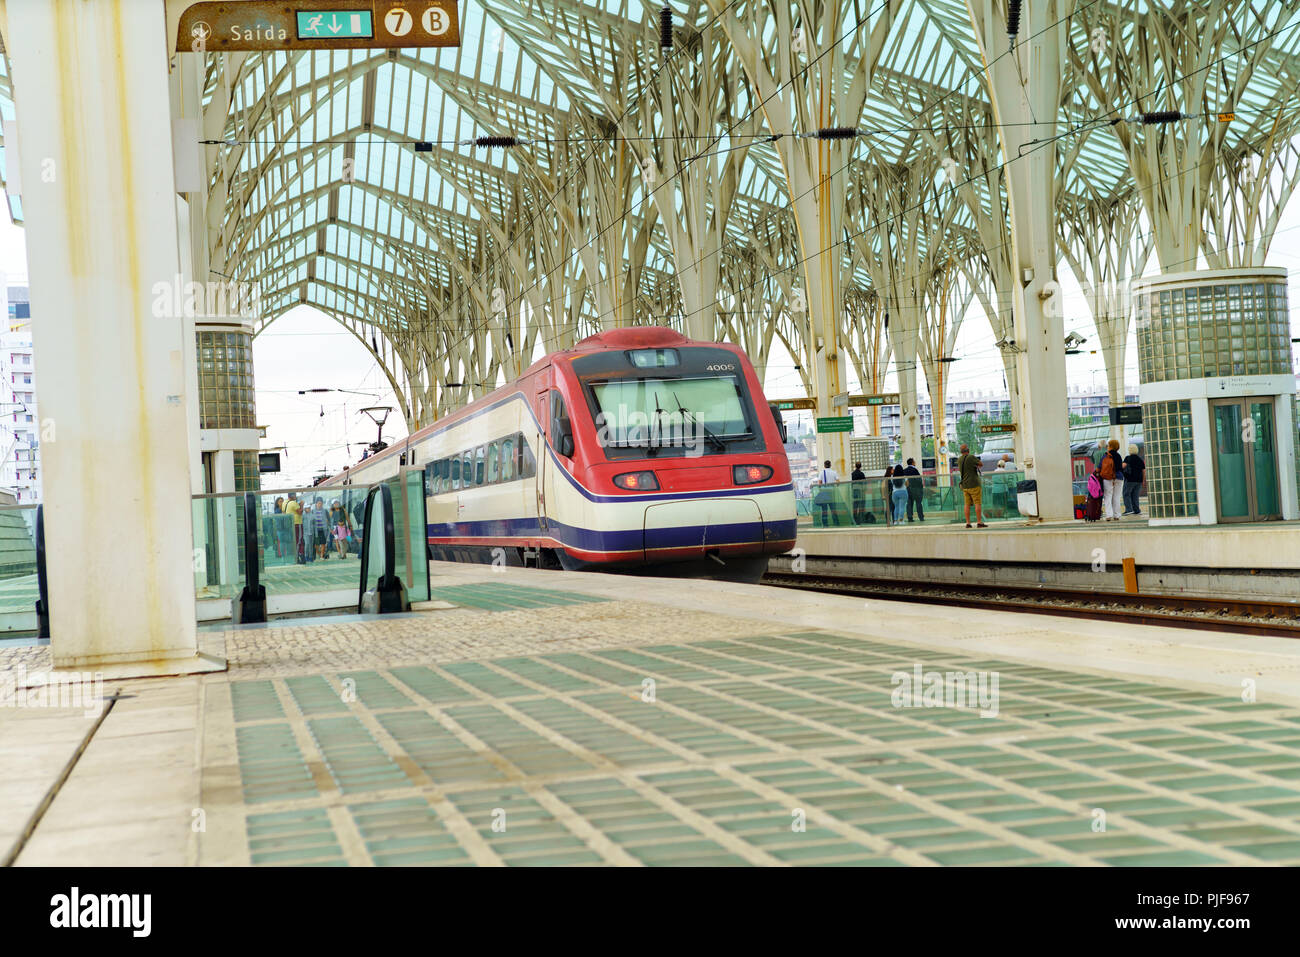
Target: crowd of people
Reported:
point(317, 530)
point(903, 487)
point(1121, 481)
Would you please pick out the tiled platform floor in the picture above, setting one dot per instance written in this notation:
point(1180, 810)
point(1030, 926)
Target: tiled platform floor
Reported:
point(570, 719)
point(560, 759)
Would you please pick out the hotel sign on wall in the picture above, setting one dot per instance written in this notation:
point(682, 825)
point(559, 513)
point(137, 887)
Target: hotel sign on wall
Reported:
point(227, 25)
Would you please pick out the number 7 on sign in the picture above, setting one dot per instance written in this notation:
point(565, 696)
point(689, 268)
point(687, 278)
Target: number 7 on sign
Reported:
point(398, 22)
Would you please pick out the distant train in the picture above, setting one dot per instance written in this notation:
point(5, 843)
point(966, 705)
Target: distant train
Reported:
point(636, 450)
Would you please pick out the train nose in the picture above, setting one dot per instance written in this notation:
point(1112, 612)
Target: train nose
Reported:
point(687, 529)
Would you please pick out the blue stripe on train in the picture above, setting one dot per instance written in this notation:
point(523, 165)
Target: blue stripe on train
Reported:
point(621, 540)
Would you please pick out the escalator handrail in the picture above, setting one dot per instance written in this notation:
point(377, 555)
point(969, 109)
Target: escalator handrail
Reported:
point(252, 568)
point(42, 583)
point(385, 496)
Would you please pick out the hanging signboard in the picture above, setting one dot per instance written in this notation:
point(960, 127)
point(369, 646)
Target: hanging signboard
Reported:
point(216, 26)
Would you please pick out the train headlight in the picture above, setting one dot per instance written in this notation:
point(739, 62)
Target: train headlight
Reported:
point(637, 481)
point(749, 474)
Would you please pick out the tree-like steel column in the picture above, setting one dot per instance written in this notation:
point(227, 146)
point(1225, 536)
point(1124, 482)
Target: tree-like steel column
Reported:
point(807, 82)
point(1024, 84)
point(1103, 241)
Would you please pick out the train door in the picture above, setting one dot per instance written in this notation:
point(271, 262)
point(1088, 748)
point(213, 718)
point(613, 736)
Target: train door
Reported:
point(542, 410)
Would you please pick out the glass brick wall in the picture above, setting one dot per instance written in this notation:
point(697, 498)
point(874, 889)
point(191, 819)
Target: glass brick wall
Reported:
point(226, 392)
point(247, 477)
point(1171, 469)
point(1215, 329)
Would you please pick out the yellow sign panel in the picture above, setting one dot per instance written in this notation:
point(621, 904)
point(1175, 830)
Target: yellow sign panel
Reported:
point(224, 25)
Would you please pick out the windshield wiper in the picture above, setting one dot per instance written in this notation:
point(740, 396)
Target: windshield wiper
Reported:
point(720, 445)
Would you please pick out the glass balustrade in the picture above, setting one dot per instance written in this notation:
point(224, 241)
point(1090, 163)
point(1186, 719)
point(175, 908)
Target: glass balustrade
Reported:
point(939, 498)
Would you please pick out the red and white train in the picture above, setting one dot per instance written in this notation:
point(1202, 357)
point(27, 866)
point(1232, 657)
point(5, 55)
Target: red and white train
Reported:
point(637, 449)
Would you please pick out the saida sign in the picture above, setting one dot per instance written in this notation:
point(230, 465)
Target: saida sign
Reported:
point(228, 25)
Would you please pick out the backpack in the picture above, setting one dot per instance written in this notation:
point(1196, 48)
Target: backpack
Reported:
point(1107, 466)
point(1094, 485)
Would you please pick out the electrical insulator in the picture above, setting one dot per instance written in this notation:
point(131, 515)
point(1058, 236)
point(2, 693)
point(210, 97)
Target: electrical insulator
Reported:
point(1161, 116)
point(833, 133)
point(666, 28)
point(1013, 21)
point(495, 141)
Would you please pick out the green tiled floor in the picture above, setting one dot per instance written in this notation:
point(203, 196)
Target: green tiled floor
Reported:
point(507, 597)
point(783, 749)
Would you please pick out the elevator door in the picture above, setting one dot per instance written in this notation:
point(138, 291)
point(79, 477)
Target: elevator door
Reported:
point(1245, 459)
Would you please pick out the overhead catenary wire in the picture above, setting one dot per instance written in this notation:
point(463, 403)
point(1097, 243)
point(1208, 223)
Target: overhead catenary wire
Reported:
point(788, 267)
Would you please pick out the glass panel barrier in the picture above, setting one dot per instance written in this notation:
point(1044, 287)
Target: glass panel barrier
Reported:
point(18, 585)
point(312, 550)
point(933, 500)
point(412, 530)
point(376, 543)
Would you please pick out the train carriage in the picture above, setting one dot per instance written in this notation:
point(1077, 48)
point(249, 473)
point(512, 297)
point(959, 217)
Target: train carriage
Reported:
point(636, 450)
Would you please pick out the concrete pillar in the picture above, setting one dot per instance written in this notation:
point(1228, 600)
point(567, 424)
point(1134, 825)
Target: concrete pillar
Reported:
point(1025, 92)
point(94, 128)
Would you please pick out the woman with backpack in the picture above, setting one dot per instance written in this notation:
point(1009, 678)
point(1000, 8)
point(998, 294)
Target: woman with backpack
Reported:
point(1112, 482)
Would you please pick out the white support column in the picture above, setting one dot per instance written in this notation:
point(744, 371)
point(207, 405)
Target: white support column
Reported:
point(1286, 456)
point(91, 92)
point(192, 242)
point(1025, 91)
point(1207, 498)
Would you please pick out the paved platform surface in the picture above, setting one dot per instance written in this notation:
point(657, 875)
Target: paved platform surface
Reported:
point(561, 718)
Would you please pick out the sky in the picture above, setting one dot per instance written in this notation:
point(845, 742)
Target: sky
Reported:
point(321, 432)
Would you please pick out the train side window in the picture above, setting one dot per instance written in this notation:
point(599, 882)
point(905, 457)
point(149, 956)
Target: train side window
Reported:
point(527, 464)
point(478, 466)
point(467, 469)
point(431, 478)
point(455, 473)
point(507, 459)
point(493, 472)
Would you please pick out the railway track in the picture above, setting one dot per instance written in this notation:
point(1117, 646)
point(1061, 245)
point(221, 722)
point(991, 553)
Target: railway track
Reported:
point(1253, 617)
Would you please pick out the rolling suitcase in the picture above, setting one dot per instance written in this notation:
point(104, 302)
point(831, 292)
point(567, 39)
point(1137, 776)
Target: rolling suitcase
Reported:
point(1092, 508)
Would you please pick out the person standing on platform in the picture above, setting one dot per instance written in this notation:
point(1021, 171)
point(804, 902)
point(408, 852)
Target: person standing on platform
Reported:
point(318, 528)
point(294, 508)
point(898, 494)
point(825, 497)
point(1134, 471)
point(1112, 482)
point(886, 492)
point(341, 525)
point(969, 468)
point(915, 490)
point(859, 494)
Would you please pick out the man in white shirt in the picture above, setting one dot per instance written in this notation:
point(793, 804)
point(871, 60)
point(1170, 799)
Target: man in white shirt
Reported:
point(825, 497)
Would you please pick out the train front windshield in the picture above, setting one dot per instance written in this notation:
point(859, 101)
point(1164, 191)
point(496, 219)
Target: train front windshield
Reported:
point(693, 401)
point(626, 406)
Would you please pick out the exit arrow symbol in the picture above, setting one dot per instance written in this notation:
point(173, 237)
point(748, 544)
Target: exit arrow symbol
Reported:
point(335, 26)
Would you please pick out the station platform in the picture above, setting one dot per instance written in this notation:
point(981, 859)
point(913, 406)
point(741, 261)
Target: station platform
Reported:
point(527, 717)
point(1240, 561)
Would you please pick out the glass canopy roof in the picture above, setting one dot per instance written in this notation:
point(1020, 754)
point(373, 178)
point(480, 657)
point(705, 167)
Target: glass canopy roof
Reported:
point(350, 180)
